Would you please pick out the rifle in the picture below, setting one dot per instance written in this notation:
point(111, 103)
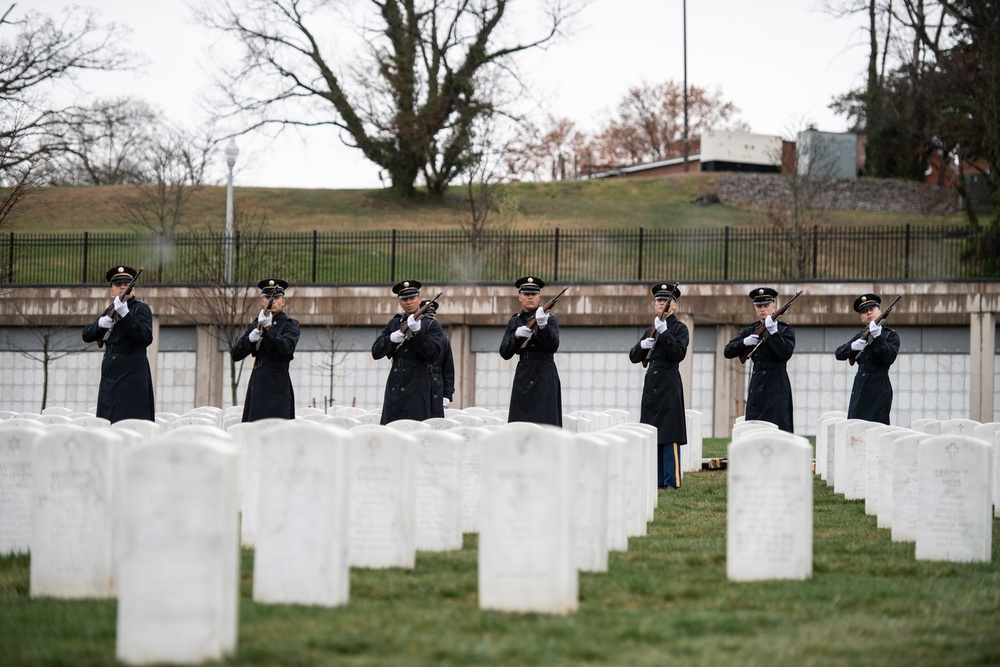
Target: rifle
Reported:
point(405, 328)
point(267, 311)
point(531, 323)
point(866, 334)
point(762, 330)
point(111, 308)
point(656, 334)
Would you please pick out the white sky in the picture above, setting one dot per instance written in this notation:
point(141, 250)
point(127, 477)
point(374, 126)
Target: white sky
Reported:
point(780, 61)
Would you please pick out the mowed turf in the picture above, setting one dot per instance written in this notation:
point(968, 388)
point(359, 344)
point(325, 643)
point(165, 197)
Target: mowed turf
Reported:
point(664, 601)
point(651, 203)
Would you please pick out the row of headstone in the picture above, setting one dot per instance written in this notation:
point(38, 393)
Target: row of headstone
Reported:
point(934, 484)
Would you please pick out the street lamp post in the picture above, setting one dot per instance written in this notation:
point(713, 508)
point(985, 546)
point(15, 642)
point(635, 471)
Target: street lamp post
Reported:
point(232, 152)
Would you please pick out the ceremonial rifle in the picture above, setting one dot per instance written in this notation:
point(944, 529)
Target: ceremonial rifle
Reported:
point(405, 328)
point(124, 297)
point(762, 330)
point(866, 334)
point(267, 311)
point(532, 323)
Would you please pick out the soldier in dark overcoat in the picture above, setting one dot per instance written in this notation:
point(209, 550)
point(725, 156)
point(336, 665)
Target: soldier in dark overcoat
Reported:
point(271, 340)
point(871, 395)
point(536, 395)
point(410, 389)
point(664, 345)
point(444, 367)
point(126, 328)
point(770, 394)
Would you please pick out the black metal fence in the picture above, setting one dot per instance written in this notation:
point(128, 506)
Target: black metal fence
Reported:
point(385, 256)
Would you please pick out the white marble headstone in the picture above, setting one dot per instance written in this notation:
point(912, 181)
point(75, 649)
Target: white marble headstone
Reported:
point(16, 487)
point(590, 502)
point(526, 543)
point(873, 454)
point(300, 555)
point(178, 586)
point(851, 469)
point(990, 432)
point(954, 517)
point(438, 478)
point(769, 527)
point(383, 497)
point(887, 472)
point(693, 451)
point(73, 518)
point(905, 492)
point(843, 476)
point(472, 445)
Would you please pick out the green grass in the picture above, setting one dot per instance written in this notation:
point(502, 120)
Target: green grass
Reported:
point(664, 601)
point(651, 203)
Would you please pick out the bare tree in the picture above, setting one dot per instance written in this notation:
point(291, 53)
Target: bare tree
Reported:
point(491, 211)
point(327, 368)
point(228, 307)
point(48, 343)
point(105, 143)
point(794, 208)
point(37, 52)
point(648, 123)
point(410, 103)
point(554, 151)
point(173, 170)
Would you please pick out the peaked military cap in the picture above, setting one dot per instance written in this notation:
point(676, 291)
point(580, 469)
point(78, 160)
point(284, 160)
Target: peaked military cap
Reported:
point(272, 286)
point(529, 285)
point(406, 288)
point(120, 274)
point(866, 301)
point(666, 291)
point(763, 295)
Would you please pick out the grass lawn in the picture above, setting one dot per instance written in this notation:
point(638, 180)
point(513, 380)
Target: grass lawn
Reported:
point(664, 601)
point(651, 203)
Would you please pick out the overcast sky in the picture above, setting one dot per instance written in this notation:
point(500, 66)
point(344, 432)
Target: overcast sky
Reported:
point(780, 61)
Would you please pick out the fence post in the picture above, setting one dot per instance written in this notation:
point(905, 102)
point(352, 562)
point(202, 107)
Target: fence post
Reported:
point(555, 258)
point(906, 255)
point(639, 273)
point(815, 250)
point(10, 260)
point(392, 265)
point(315, 235)
point(725, 254)
point(86, 246)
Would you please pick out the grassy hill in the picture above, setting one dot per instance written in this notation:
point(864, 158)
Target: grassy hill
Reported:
point(651, 203)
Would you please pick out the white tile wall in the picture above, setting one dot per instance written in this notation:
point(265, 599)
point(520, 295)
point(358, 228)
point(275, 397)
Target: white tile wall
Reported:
point(73, 382)
point(175, 382)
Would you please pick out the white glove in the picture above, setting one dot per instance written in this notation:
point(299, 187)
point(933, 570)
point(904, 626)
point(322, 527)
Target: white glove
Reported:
point(661, 326)
point(446, 401)
point(541, 318)
point(876, 329)
point(397, 336)
point(647, 343)
point(254, 335)
point(751, 340)
point(121, 307)
point(859, 344)
point(264, 319)
point(523, 332)
point(770, 325)
point(105, 322)
point(413, 323)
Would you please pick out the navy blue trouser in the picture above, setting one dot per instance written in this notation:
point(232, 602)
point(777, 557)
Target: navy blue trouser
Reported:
point(668, 461)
